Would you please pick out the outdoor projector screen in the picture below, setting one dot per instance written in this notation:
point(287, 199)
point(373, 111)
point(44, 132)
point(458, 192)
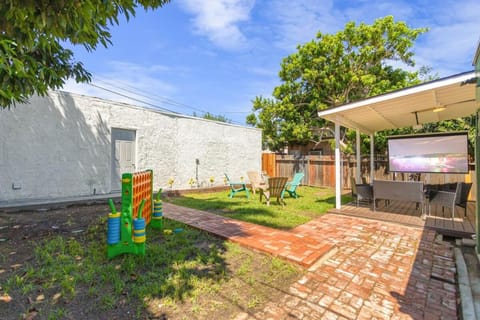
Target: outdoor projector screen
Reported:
point(444, 153)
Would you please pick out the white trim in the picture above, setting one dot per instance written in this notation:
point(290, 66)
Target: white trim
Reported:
point(477, 54)
point(351, 124)
point(400, 93)
point(358, 154)
point(372, 162)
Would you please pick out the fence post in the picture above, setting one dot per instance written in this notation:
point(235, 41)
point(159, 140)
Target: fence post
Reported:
point(307, 173)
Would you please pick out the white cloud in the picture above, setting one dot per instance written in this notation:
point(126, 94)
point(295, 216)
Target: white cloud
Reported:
point(450, 44)
point(368, 11)
point(218, 20)
point(263, 72)
point(448, 47)
point(127, 82)
point(298, 21)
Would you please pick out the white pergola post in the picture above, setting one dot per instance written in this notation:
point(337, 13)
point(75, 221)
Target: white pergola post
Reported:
point(476, 63)
point(338, 193)
point(358, 176)
point(372, 151)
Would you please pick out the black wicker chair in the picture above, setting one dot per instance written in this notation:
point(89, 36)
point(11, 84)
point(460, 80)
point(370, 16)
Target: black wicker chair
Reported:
point(361, 192)
point(451, 199)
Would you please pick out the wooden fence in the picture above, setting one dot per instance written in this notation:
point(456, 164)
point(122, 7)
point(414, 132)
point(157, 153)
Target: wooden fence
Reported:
point(320, 170)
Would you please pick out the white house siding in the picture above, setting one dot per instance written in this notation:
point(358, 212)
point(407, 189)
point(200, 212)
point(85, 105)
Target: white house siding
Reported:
point(60, 146)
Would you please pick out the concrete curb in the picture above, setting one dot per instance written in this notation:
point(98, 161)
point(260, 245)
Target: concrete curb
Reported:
point(466, 298)
point(47, 204)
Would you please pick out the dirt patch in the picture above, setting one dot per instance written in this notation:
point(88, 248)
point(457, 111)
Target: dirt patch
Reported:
point(231, 279)
point(21, 230)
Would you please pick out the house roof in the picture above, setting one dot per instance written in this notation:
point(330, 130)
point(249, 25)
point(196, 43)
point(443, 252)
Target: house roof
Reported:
point(409, 106)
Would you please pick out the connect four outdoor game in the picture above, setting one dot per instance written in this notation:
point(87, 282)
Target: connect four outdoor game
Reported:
point(126, 230)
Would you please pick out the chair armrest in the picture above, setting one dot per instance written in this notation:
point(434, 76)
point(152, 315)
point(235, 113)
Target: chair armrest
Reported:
point(443, 198)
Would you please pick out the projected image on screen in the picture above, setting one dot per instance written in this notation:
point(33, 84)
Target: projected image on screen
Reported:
point(433, 153)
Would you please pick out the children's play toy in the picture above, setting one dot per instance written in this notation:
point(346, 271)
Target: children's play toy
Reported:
point(124, 233)
point(157, 219)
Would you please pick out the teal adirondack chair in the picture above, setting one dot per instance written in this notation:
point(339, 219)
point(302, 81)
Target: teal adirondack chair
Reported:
point(236, 187)
point(291, 186)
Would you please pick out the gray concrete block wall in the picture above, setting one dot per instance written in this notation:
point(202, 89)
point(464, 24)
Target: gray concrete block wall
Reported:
point(60, 146)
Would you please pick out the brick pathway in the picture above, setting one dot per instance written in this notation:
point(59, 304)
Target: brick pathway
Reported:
point(287, 245)
point(378, 270)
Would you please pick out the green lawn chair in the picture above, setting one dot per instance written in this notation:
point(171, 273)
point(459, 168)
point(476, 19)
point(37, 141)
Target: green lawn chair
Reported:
point(291, 186)
point(236, 187)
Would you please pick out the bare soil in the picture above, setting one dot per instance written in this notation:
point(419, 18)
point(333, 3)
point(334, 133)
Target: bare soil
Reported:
point(22, 231)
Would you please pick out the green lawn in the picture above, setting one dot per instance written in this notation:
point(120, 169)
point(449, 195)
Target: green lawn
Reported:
point(186, 275)
point(312, 202)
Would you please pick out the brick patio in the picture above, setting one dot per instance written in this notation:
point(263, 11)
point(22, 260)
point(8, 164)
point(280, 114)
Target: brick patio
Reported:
point(370, 269)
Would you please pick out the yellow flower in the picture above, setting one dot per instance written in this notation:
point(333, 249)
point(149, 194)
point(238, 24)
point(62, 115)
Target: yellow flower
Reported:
point(212, 179)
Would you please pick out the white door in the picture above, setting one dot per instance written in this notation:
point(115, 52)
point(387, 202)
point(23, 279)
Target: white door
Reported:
point(123, 155)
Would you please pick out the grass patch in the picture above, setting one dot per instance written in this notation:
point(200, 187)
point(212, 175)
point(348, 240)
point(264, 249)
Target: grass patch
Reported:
point(188, 275)
point(312, 203)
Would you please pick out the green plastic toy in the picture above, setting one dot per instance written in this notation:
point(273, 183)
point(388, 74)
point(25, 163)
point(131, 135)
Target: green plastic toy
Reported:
point(124, 233)
point(157, 217)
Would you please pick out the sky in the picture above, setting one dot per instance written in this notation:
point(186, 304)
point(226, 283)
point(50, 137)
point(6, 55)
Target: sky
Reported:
point(216, 56)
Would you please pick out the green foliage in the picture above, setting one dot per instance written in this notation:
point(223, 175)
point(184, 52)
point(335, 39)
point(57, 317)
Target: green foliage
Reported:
point(32, 57)
point(332, 70)
point(211, 116)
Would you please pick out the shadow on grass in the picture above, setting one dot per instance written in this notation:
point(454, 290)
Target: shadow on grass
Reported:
point(253, 211)
point(332, 200)
point(239, 209)
point(312, 203)
point(176, 267)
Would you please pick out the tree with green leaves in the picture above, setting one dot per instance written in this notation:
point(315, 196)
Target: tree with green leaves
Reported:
point(214, 117)
point(333, 69)
point(33, 58)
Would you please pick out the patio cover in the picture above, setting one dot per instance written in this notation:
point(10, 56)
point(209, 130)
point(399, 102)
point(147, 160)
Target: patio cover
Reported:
point(456, 95)
point(410, 106)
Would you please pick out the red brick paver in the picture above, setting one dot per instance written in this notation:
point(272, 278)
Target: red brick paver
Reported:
point(379, 270)
point(287, 245)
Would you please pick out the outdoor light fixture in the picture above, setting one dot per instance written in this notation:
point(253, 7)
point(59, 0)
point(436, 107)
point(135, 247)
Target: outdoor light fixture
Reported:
point(439, 108)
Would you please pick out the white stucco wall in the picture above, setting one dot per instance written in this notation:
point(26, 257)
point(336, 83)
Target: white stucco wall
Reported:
point(60, 146)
